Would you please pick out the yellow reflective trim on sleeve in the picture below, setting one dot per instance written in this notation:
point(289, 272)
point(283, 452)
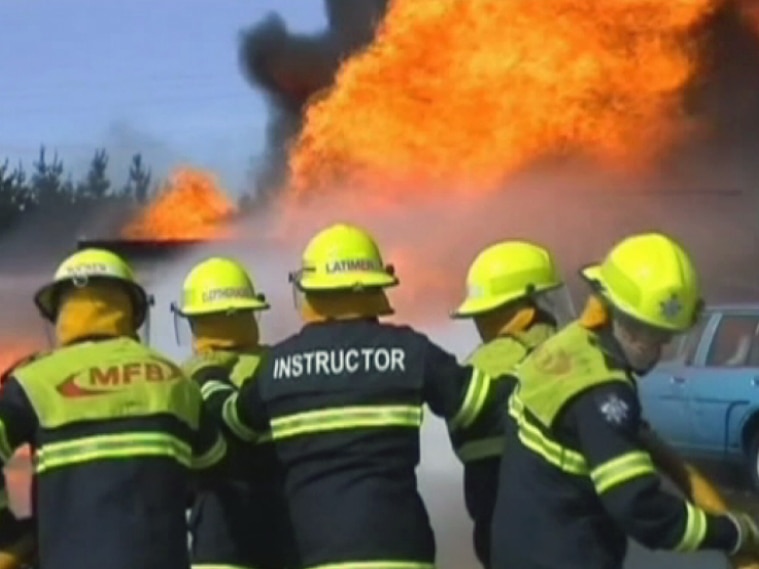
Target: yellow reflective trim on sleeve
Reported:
point(621, 469)
point(695, 529)
point(214, 386)
point(6, 450)
point(565, 459)
point(111, 447)
point(220, 566)
point(375, 565)
point(480, 449)
point(476, 395)
point(367, 416)
point(212, 456)
point(231, 418)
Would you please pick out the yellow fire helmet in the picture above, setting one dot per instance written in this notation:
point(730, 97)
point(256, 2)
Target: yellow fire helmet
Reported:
point(342, 257)
point(84, 266)
point(219, 284)
point(505, 272)
point(651, 278)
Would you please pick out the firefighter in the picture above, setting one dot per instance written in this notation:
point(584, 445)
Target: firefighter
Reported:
point(341, 400)
point(221, 304)
point(510, 286)
point(575, 479)
point(115, 427)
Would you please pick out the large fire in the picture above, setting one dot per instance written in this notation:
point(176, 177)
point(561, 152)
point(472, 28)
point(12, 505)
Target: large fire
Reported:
point(461, 95)
point(452, 102)
point(191, 206)
point(455, 99)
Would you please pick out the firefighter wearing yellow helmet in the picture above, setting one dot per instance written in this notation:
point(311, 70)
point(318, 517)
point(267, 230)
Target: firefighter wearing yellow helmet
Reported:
point(578, 480)
point(341, 401)
point(116, 428)
point(515, 296)
point(238, 523)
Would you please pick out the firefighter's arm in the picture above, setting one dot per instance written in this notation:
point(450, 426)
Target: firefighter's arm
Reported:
point(244, 414)
point(18, 423)
point(459, 394)
point(607, 422)
point(215, 387)
point(209, 448)
point(484, 438)
point(667, 461)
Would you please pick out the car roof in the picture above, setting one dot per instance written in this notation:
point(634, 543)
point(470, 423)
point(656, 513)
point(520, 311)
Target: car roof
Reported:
point(732, 307)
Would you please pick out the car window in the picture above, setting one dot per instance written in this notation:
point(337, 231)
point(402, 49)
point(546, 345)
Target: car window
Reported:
point(733, 341)
point(683, 348)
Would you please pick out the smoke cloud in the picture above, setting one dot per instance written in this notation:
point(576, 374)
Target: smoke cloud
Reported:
point(291, 68)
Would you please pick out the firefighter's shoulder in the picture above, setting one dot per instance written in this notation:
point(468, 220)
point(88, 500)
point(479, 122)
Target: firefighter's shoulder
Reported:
point(201, 363)
point(23, 362)
point(499, 356)
point(406, 333)
point(615, 404)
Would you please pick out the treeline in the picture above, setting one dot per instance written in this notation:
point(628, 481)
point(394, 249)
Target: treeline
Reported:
point(47, 184)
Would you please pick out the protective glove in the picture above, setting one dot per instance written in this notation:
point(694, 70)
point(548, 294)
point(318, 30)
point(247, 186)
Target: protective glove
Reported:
point(748, 535)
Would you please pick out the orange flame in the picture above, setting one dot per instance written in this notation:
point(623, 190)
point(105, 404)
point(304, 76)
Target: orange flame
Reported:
point(190, 206)
point(454, 100)
point(462, 95)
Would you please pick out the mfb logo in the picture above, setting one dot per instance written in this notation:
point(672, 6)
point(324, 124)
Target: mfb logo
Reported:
point(102, 380)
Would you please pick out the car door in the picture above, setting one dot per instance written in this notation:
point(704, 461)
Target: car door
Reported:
point(718, 382)
point(663, 393)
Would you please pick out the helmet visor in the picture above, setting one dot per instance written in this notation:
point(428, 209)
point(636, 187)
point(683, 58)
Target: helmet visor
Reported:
point(557, 302)
point(297, 292)
point(144, 330)
point(182, 330)
point(643, 331)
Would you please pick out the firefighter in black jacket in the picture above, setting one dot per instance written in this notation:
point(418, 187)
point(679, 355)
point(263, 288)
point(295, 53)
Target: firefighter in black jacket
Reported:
point(342, 402)
point(576, 479)
point(514, 291)
point(116, 428)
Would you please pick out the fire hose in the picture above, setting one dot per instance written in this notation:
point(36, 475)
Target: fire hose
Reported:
point(706, 496)
point(690, 482)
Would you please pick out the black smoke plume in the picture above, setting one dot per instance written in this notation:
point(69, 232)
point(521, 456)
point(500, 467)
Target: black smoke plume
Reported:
point(291, 68)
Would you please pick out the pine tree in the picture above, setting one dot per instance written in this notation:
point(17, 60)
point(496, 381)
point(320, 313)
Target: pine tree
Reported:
point(96, 184)
point(14, 195)
point(138, 183)
point(47, 180)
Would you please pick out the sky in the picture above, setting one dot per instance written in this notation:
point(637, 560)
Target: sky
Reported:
point(156, 76)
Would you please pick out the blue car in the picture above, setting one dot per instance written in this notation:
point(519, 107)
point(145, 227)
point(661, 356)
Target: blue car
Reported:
point(703, 398)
